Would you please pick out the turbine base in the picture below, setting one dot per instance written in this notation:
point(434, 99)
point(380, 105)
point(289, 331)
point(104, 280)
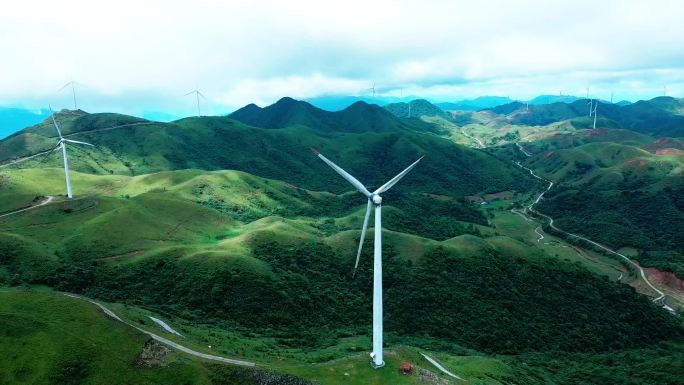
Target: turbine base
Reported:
point(375, 365)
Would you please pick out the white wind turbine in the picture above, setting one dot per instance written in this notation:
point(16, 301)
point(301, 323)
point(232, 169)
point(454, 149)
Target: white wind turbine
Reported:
point(61, 143)
point(595, 107)
point(73, 91)
point(197, 95)
point(374, 199)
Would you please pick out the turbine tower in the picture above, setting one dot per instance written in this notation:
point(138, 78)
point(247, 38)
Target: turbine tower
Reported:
point(61, 143)
point(409, 108)
point(374, 199)
point(73, 91)
point(372, 89)
point(197, 96)
point(595, 107)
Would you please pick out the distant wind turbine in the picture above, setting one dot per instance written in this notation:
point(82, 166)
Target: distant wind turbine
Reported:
point(197, 96)
point(611, 98)
point(591, 106)
point(595, 108)
point(409, 112)
point(374, 199)
point(61, 143)
point(372, 89)
point(73, 91)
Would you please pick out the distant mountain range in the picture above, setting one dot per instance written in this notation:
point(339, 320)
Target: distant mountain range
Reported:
point(661, 116)
point(14, 119)
point(340, 102)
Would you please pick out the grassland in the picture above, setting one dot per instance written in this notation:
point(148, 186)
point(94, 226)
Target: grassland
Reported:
point(253, 255)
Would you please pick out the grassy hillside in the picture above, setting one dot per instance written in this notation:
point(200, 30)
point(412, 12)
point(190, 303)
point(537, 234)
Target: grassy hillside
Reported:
point(213, 143)
point(621, 194)
point(238, 231)
point(48, 338)
point(186, 242)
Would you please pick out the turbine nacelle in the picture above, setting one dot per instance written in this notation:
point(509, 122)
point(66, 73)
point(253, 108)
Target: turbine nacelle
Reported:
point(377, 199)
point(61, 143)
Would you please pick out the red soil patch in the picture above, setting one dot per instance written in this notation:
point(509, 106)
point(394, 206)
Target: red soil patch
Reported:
point(668, 151)
point(665, 278)
point(596, 132)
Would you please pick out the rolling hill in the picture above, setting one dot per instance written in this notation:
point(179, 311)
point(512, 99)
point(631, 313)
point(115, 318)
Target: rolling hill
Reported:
point(232, 225)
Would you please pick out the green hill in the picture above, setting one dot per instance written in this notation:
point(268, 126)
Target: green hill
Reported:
point(419, 107)
point(240, 229)
point(619, 194)
point(188, 242)
point(358, 117)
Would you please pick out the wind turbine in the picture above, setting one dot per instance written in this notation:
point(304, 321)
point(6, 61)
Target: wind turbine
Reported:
point(73, 91)
point(374, 199)
point(409, 112)
point(372, 89)
point(61, 143)
point(595, 107)
point(197, 95)
point(591, 106)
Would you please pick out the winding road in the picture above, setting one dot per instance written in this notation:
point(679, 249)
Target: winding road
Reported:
point(479, 142)
point(531, 208)
point(520, 147)
point(163, 340)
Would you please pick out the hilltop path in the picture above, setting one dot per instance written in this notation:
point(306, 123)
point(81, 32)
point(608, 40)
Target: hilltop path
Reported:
point(163, 340)
point(45, 201)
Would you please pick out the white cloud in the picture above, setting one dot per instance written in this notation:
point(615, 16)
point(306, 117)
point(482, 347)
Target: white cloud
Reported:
point(240, 51)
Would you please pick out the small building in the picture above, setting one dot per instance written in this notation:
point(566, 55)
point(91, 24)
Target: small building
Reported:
point(406, 368)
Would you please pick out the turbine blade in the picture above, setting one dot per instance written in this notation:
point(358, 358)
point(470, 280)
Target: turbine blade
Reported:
point(396, 179)
point(363, 236)
point(52, 115)
point(189, 93)
point(359, 186)
point(65, 86)
point(202, 95)
point(78, 142)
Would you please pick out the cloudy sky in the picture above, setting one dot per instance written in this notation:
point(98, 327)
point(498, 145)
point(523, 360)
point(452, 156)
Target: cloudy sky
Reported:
point(136, 56)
